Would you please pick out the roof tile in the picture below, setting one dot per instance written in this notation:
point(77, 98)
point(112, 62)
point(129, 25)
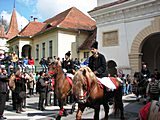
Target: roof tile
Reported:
point(32, 28)
point(72, 18)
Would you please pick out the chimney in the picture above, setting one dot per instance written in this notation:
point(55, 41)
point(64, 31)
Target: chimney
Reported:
point(35, 19)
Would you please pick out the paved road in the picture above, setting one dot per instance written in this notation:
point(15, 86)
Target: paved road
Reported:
point(131, 111)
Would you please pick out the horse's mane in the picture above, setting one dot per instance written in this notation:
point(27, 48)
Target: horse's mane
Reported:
point(86, 72)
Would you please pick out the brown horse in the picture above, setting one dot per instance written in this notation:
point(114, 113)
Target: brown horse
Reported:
point(89, 93)
point(62, 86)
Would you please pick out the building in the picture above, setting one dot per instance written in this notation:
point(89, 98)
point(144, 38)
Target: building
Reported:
point(128, 32)
point(11, 32)
point(55, 36)
point(3, 39)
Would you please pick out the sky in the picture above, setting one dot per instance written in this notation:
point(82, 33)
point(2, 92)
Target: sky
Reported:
point(41, 9)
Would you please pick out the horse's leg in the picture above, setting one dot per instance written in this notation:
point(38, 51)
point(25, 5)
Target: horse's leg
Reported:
point(106, 110)
point(96, 112)
point(118, 102)
point(73, 107)
point(80, 110)
point(61, 111)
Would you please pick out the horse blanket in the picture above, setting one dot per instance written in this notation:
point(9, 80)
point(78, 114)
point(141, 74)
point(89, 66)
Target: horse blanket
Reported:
point(110, 82)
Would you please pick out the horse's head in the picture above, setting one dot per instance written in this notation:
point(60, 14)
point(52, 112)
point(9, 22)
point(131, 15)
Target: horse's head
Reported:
point(82, 83)
point(54, 68)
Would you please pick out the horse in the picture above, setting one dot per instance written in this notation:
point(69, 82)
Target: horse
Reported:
point(62, 85)
point(89, 93)
point(141, 83)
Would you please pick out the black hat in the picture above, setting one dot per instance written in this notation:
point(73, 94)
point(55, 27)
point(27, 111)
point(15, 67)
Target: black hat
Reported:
point(95, 45)
point(68, 53)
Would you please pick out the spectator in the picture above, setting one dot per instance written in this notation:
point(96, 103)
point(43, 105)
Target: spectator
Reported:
point(42, 90)
point(7, 62)
point(124, 83)
point(37, 85)
point(157, 74)
point(15, 60)
point(25, 62)
point(31, 64)
point(43, 63)
point(145, 71)
point(20, 65)
point(153, 88)
point(1, 57)
point(20, 91)
point(3, 91)
point(128, 84)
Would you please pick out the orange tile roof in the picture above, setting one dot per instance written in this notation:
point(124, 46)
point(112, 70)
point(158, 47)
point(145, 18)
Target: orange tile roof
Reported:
point(86, 45)
point(73, 19)
point(13, 27)
point(32, 28)
point(2, 33)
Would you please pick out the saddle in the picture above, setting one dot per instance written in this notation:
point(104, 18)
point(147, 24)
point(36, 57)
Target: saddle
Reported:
point(109, 82)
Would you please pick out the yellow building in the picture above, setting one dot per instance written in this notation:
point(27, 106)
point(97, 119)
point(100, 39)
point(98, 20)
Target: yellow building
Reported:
point(67, 31)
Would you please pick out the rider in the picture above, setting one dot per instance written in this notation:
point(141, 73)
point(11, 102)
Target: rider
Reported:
point(68, 67)
point(97, 63)
point(68, 64)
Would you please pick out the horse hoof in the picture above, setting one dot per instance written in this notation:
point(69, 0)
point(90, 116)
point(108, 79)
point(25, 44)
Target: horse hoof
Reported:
point(65, 113)
point(58, 117)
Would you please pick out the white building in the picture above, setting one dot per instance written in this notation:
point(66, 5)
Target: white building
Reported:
point(3, 40)
point(128, 32)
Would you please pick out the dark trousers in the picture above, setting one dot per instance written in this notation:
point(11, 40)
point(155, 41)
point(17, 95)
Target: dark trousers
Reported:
point(42, 96)
point(30, 91)
point(14, 100)
point(19, 102)
point(2, 103)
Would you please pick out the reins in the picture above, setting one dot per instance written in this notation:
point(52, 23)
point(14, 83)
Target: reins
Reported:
point(64, 77)
point(89, 89)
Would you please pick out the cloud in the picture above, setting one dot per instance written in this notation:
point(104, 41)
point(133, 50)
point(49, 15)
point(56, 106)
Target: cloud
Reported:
point(49, 8)
point(22, 21)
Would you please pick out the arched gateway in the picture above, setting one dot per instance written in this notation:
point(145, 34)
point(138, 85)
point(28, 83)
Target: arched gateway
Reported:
point(146, 47)
point(26, 51)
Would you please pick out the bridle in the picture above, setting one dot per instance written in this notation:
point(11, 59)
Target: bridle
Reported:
point(84, 96)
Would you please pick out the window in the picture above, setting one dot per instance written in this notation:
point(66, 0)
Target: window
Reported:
point(86, 54)
point(37, 52)
point(43, 49)
point(50, 48)
point(110, 39)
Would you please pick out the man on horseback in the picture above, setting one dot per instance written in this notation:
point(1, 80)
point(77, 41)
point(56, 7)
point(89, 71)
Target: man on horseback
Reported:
point(68, 65)
point(68, 68)
point(97, 63)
